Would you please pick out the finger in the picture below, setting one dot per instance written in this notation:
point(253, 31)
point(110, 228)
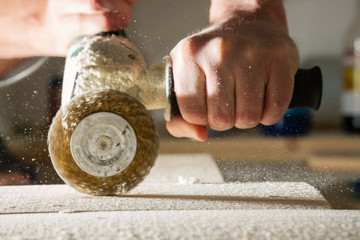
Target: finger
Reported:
point(82, 24)
point(116, 21)
point(220, 99)
point(93, 6)
point(249, 87)
point(114, 5)
point(189, 84)
point(75, 6)
point(85, 24)
point(178, 127)
point(278, 95)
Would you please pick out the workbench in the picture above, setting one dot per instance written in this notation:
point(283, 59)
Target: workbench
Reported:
point(164, 208)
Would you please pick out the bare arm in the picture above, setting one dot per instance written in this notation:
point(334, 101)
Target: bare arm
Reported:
point(237, 72)
point(46, 27)
point(270, 11)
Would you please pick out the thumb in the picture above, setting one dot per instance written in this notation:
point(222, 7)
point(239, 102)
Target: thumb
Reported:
point(178, 127)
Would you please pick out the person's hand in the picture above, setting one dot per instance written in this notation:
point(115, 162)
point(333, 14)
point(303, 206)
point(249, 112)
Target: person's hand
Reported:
point(238, 72)
point(47, 27)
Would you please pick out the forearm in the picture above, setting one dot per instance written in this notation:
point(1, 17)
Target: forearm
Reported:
point(47, 27)
point(20, 22)
point(270, 11)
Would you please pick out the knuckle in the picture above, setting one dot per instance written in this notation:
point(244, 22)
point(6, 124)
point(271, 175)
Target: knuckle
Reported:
point(188, 45)
point(222, 122)
point(184, 51)
point(281, 102)
point(220, 45)
point(247, 119)
point(217, 52)
point(194, 114)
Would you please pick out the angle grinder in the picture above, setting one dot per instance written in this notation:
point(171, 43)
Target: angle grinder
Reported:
point(103, 141)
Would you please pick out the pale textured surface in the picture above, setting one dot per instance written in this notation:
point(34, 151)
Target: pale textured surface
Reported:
point(259, 210)
point(169, 167)
point(175, 211)
point(212, 224)
point(162, 196)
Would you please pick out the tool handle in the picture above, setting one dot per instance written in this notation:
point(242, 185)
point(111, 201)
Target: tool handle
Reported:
point(110, 33)
point(307, 91)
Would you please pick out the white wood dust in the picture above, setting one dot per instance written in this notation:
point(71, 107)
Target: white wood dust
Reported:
point(165, 209)
point(184, 168)
point(197, 224)
point(164, 196)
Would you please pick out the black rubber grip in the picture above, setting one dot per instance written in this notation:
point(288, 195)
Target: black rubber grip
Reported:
point(307, 91)
point(110, 33)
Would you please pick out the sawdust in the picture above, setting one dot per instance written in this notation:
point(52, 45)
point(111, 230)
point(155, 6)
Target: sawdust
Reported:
point(184, 168)
point(267, 210)
point(214, 224)
point(188, 180)
point(113, 62)
point(162, 196)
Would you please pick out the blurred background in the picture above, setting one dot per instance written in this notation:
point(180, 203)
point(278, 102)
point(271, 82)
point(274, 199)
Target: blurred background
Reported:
point(315, 149)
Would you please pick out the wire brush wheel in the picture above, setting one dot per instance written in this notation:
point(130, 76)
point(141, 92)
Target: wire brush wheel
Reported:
point(104, 142)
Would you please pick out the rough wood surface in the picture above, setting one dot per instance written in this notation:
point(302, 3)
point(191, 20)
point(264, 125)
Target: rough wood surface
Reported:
point(169, 168)
point(163, 196)
point(169, 210)
point(197, 224)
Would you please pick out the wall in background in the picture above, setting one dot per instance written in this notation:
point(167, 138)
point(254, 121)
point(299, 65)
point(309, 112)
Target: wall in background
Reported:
point(158, 25)
point(318, 26)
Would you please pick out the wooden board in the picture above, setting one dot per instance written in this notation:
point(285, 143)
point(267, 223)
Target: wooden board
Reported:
point(172, 168)
point(196, 224)
point(175, 211)
point(169, 210)
point(162, 196)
